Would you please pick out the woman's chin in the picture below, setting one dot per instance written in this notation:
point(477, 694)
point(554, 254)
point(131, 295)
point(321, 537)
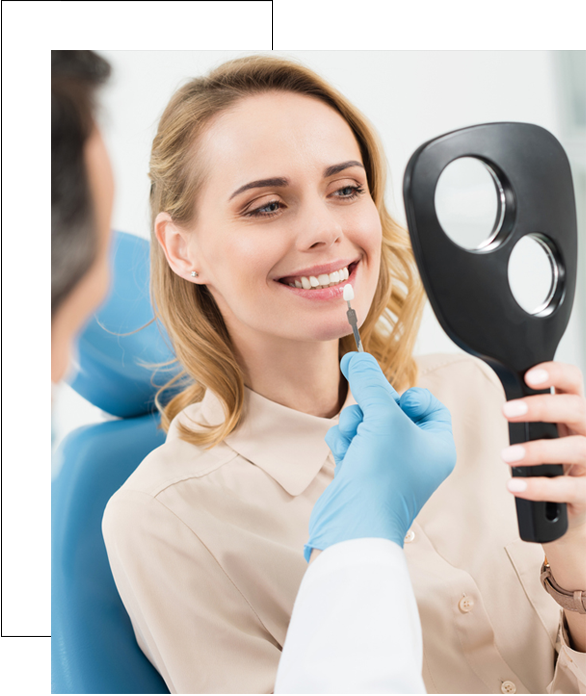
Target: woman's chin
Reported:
point(330, 331)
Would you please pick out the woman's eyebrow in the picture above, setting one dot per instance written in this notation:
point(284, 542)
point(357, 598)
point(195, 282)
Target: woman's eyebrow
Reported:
point(335, 168)
point(261, 183)
point(283, 181)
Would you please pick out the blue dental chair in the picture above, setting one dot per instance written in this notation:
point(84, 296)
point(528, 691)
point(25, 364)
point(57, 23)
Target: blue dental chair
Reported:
point(93, 648)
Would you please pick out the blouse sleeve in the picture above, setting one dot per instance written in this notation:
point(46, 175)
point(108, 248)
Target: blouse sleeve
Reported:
point(189, 618)
point(570, 670)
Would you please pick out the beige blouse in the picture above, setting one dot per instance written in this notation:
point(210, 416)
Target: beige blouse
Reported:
point(206, 548)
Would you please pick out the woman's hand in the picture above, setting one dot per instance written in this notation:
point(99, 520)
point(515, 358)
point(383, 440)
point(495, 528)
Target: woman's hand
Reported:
point(567, 408)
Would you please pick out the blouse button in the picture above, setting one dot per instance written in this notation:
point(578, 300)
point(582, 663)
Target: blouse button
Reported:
point(508, 687)
point(465, 605)
point(409, 536)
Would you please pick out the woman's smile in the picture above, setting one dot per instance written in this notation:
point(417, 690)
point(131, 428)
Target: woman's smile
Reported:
point(318, 284)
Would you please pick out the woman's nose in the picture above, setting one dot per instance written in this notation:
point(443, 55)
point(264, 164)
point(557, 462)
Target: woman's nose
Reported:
point(319, 226)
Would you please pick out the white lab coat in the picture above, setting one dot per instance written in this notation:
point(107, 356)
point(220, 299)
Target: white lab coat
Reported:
point(355, 626)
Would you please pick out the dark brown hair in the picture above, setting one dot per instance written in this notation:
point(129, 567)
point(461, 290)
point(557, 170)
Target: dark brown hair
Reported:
point(75, 76)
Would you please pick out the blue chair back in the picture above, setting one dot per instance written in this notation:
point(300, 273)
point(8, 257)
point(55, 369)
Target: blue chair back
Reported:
point(93, 647)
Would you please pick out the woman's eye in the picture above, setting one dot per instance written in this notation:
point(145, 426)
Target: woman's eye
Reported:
point(259, 211)
point(354, 191)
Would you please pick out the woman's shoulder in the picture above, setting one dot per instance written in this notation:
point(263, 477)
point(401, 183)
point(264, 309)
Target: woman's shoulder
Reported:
point(456, 371)
point(176, 460)
point(464, 384)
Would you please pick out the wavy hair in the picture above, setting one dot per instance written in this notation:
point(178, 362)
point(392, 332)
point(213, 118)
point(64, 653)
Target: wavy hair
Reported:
point(202, 345)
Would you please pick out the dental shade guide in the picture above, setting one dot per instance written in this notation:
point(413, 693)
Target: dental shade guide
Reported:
point(351, 314)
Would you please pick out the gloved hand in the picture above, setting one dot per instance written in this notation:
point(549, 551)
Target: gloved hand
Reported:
point(391, 454)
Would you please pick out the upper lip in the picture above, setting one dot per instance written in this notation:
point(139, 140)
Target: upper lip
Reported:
point(318, 270)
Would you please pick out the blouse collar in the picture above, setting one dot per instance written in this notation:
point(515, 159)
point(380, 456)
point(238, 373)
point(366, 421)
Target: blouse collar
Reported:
point(286, 444)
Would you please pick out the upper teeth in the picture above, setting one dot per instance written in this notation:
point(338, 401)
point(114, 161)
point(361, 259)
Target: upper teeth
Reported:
point(324, 280)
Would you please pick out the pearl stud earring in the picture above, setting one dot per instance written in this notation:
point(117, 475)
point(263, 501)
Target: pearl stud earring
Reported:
point(194, 274)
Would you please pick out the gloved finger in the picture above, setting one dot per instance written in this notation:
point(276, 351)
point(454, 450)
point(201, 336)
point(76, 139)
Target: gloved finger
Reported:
point(369, 386)
point(428, 412)
point(415, 401)
point(339, 437)
point(350, 419)
point(337, 444)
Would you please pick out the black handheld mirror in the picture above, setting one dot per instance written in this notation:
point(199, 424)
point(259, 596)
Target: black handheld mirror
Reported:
point(531, 199)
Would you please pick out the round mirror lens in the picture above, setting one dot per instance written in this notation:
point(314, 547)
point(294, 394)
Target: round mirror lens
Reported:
point(469, 203)
point(533, 274)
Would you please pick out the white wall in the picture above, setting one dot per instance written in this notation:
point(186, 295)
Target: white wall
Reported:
point(409, 96)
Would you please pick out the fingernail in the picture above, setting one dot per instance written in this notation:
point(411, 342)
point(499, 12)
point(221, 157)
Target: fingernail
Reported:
point(515, 408)
point(537, 376)
point(516, 486)
point(513, 453)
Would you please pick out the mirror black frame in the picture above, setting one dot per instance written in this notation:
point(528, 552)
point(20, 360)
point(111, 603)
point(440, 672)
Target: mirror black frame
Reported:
point(469, 289)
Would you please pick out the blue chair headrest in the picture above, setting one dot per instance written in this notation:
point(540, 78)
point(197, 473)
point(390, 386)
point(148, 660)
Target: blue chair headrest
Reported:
point(110, 370)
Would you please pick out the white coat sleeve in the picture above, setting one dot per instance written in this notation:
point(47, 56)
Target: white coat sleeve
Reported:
point(355, 626)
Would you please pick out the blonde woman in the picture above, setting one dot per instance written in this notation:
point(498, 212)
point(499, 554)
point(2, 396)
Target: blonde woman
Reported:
point(264, 177)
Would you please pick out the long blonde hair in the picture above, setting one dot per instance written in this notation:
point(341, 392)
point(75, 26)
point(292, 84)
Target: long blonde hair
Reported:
point(200, 339)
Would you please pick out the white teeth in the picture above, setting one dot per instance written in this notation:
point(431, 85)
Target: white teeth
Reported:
point(324, 280)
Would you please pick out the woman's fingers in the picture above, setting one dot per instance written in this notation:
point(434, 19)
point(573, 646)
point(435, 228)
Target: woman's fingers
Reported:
point(557, 489)
point(569, 409)
point(561, 450)
point(567, 379)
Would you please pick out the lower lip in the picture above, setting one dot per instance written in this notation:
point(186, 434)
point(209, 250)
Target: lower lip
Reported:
point(332, 293)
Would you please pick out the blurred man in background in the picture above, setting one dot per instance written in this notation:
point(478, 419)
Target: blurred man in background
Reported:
point(82, 191)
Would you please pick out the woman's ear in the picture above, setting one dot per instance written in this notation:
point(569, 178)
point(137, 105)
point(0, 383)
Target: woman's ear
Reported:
point(174, 242)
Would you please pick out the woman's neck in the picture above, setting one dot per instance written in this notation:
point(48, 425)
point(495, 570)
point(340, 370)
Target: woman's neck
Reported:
point(302, 376)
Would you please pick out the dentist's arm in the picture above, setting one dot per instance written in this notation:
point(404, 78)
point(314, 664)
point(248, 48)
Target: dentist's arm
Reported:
point(355, 626)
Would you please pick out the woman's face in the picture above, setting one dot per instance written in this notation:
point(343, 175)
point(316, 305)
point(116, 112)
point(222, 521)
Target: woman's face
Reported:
point(286, 202)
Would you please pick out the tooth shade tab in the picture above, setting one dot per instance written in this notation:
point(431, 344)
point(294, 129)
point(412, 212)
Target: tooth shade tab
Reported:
point(348, 292)
point(324, 280)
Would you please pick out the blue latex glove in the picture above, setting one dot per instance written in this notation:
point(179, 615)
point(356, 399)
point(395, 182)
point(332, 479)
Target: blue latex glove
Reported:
point(391, 454)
